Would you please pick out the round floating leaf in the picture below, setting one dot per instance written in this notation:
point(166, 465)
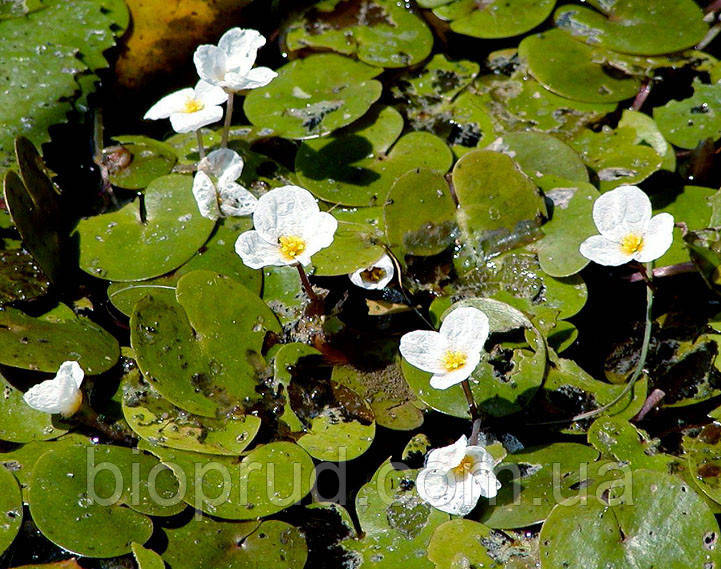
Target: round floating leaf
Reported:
point(154, 418)
point(129, 245)
point(571, 69)
point(204, 542)
point(420, 215)
point(285, 358)
point(689, 122)
point(19, 423)
point(283, 293)
point(393, 403)
point(691, 207)
point(11, 509)
point(355, 245)
point(83, 498)
point(379, 32)
point(570, 225)
point(660, 523)
point(147, 159)
point(43, 343)
point(314, 96)
point(185, 144)
point(636, 26)
point(647, 132)
point(703, 457)
point(21, 279)
point(359, 166)
point(340, 425)
point(540, 155)
point(616, 156)
point(267, 480)
point(396, 524)
point(490, 20)
point(504, 381)
point(200, 353)
point(459, 543)
point(146, 558)
point(217, 255)
point(498, 203)
point(544, 475)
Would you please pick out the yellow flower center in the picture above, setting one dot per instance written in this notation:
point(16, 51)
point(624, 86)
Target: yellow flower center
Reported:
point(631, 244)
point(373, 275)
point(454, 360)
point(465, 466)
point(193, 106)
point(291, 246)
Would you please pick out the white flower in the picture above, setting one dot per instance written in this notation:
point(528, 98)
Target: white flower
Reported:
point(58, 395)
point(452, 353)
point(456, 476)
point(230, 64)
point(289, 229)
point(190, 109)
point(375, 277)
point(215, 188)
point(627, 230)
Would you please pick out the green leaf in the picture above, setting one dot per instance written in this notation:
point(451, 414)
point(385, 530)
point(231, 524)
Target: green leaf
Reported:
point(126, 246)
point(420, 216)
point(43, 343)
point(689, 122)
point(572, 69)
point(204, 542)
point(635, 26)
point(661, 523)
point(314, 96)
point(570, 225)
point(267, 480)
point(459, 543)
point(146, 558)
point(11, 509)
point(396, 524)
point(494, 19)
point(66, 485)
point(19, 423)
point(148, 159)
point(380, 32)
point(359, 165)
point(355, 245)
point(200, 354)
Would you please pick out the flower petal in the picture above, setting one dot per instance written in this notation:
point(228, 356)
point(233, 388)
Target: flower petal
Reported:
point(603, 251)
point(253, 79)
point(619, 212)
point(210, 63)
point(318, 231)
point(72, 370)
point(235, 200)
point(449, 456)
point(190, 122)
point(658, 238)
point(209, 94)
point(284, 211)
point(224, 164)
point(424, 349)
point(466, 328)
point(206, 195)
point(173, 103)
point(448, 492)
point(485, 482)
point(241, 48)
point(385, 264)
point(256, 252)
point(445, 379)
point(481, 457)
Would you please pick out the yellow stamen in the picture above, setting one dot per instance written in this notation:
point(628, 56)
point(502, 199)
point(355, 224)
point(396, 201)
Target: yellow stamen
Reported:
point(454, 360)
point(193, 106)
point(373, 275)
point(631, 244)
point(465, 466)
point(291, 246)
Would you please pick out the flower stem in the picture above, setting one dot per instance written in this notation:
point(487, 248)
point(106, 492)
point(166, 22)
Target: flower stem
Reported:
point(471, 402)
point(641, 360)
point(201, 148)
point(306, 283)
point(228, 119)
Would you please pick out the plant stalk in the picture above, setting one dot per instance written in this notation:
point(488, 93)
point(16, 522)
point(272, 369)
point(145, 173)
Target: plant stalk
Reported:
point(228, 119)
point(201, 148)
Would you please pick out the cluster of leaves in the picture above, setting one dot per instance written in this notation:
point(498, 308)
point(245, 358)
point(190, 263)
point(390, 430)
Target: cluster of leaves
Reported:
point(479, 176)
